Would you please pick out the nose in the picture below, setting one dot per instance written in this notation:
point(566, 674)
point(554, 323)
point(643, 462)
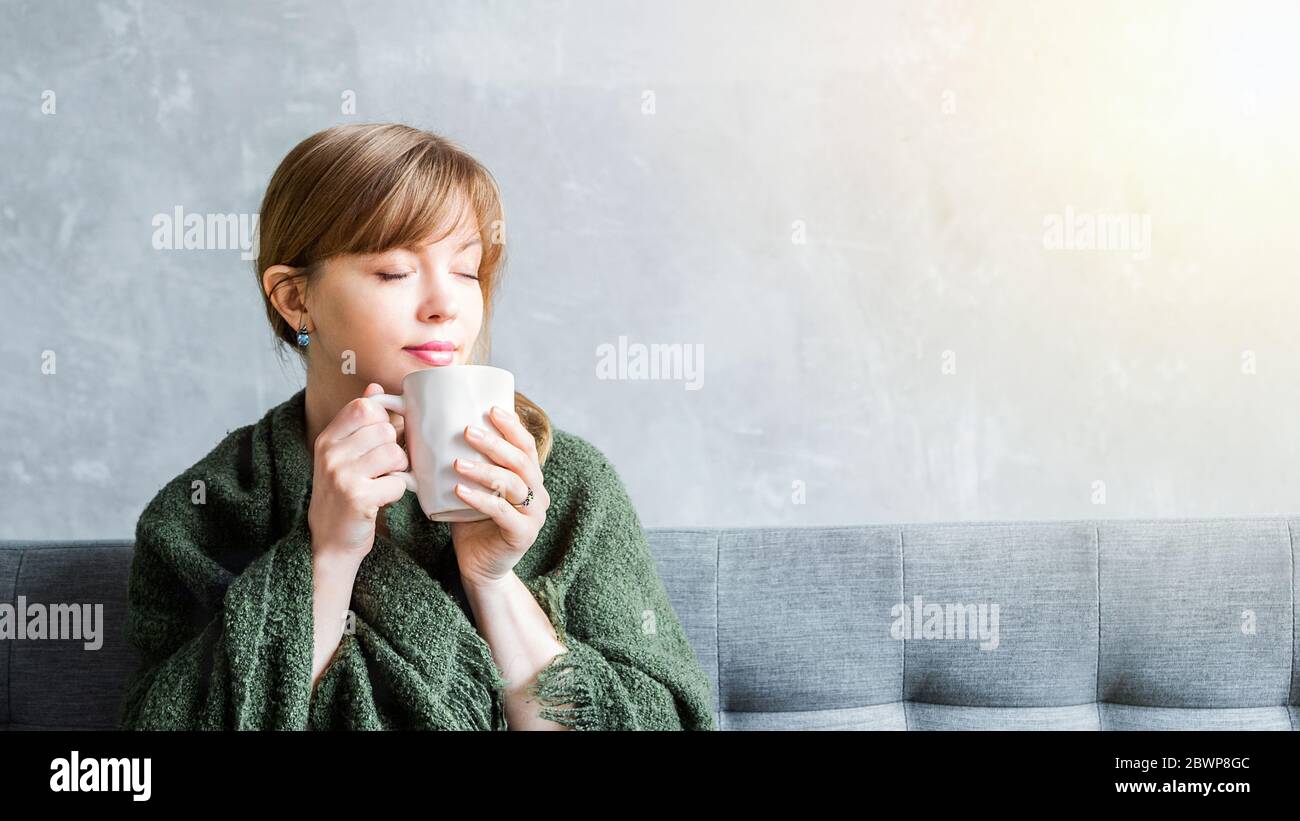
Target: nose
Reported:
point(438, 299)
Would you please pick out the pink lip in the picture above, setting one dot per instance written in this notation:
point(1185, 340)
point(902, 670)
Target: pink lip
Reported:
point(432, 357)
point(433, 345)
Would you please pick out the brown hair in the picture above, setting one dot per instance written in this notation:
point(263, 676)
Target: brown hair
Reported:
point(369, 187)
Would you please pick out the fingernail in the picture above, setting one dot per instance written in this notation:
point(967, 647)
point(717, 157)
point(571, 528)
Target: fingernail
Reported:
point(501, 412)
point(475, 433)
point(464, 464)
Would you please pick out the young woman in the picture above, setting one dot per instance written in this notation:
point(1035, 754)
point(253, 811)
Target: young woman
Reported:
point(288, 580)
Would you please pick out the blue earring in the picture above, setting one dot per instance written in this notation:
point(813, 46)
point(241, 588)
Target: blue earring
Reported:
point(303, 337)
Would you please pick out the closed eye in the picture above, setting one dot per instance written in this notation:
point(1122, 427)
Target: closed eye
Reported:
point(387, 277)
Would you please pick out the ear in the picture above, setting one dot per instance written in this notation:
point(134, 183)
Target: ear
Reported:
point(288, 298)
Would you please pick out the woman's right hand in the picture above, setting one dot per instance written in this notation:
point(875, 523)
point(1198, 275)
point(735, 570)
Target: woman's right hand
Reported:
point(349, 486)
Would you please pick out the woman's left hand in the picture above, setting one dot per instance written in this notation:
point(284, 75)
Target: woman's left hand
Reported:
point(487, 551)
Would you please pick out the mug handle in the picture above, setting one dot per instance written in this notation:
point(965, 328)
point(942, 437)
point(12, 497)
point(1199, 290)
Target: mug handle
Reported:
point(397, 405)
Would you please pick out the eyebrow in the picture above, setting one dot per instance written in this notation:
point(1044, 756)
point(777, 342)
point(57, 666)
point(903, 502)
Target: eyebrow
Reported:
point(415, 247)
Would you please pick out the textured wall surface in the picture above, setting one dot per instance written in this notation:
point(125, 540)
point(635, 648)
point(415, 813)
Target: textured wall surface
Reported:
point(865, 224)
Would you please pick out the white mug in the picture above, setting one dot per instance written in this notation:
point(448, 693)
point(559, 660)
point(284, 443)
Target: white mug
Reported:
point(436, 404)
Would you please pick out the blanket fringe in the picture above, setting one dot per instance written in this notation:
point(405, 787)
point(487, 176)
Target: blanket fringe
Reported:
point(566, 694)
point(476, 689)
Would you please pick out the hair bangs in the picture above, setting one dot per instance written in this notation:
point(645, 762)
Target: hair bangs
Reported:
point(426, 191)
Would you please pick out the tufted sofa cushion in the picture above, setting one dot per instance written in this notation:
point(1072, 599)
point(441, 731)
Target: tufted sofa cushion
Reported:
point(1108, 624)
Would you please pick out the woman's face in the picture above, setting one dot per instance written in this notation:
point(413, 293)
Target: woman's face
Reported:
point(378, 306)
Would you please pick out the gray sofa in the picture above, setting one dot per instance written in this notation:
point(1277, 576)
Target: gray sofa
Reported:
point(1108, 624)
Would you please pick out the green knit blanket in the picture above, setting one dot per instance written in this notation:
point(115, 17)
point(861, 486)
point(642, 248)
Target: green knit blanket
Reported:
point(220, 607)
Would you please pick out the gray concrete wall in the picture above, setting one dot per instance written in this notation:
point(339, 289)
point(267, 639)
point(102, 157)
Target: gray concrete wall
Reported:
point(871, 218)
